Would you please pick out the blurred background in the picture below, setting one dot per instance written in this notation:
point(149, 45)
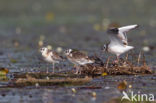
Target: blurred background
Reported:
point(73, 23)
point(27, 25)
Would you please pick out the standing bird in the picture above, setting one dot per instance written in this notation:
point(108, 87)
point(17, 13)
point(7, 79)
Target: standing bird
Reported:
point(118, 40)
point(78, 58)
point(50, 56)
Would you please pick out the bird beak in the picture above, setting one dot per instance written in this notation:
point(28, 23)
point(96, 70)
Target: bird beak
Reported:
point(41, 49)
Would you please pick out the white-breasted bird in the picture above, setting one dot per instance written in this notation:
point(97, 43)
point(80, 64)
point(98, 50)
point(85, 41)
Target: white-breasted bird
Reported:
point(118, 40)
point(78, 58)
point(50, 56)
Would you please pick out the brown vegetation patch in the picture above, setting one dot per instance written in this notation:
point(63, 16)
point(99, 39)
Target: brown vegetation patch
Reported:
point(50, 82)
point(123, 67)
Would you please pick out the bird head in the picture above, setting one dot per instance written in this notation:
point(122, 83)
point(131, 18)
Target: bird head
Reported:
point(68, 51)
point(44, 50)
point(113, 31)
point(105, 48)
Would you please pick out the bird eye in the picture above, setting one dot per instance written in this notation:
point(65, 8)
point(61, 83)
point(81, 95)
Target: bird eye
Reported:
point(42, 49)
point(104, 47)
point(67, 51)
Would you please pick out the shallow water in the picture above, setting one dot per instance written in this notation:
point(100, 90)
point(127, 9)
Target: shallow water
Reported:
point(72, 24)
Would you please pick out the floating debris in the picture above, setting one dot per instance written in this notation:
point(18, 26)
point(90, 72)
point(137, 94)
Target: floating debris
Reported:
point(115, 70)
point(13, 60)
point(42, 37)
point(146, 49)
point(43, 75)
point(40, 43)
point(18, 30)
point(123, 67)
point(49, 16)
point(47, 78)
point(49, 47)
point(73, 90)
point(4, 71)
point(130, 86)
point(45, 82)
point(59, 49)
point(30, 80)
point(41, 40)
point(94, 94)
point(104, 74)
point(63, 29)
point(122, 85)
point(97, 27)
point(16, 43)
point(37, 85)
point(90, 87)
point(105, 23)
point(143, 33)
point(107, 87)
point(4, 78)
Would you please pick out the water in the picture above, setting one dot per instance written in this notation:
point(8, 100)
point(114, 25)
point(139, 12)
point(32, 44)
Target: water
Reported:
point(72, 24)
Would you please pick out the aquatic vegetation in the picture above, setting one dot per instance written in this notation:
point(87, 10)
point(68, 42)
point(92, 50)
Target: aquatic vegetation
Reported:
point(40, 79)
point(123, 67)
point(3, 71)
point(30, 81)
point(122, 85)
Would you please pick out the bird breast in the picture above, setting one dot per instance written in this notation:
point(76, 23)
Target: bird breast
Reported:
point(119, 49)
point(116, 49)
point(49, 59)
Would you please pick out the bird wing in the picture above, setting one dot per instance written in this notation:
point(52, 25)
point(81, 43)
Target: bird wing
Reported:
point(55, 56)
point(127, 28)
point(118, 35)
point(79, 54)
point(115, 39)
point(123, 30)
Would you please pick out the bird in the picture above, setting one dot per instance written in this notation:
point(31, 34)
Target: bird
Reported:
point(78, 58)
point(50, 56)
point(118, 40)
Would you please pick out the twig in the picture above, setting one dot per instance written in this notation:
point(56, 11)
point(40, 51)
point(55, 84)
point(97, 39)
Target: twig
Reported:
point(131, 54)
point(144, 60)
point(126, 57)
point(107, 62)
point(139, 56)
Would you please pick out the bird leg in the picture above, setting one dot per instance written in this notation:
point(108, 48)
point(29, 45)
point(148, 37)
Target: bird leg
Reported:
point(107, 62)
point(47, 70)
point(117, 60)
point(77, 69)
point(53, 66)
